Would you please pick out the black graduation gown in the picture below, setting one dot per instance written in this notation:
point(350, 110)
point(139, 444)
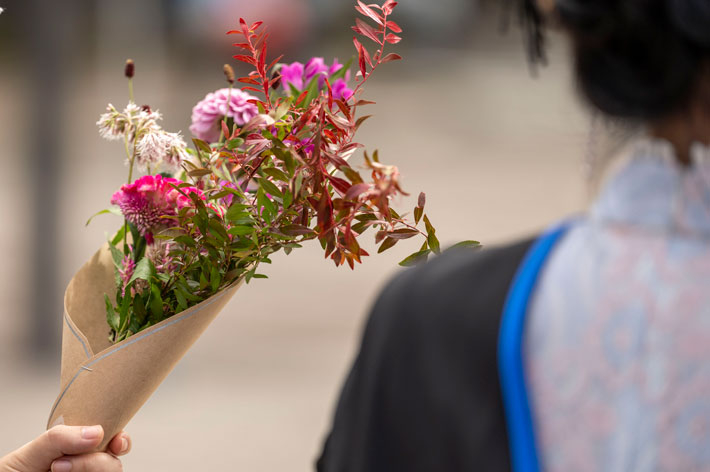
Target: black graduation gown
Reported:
point(423, 394)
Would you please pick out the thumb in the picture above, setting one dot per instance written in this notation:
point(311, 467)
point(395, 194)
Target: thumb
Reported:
point(38, 455)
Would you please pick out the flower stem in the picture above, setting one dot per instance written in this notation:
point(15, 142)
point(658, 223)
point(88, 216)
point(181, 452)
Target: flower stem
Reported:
point(130, 89)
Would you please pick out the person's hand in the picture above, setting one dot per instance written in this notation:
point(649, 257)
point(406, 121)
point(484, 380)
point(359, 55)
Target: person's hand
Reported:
point(68, 448)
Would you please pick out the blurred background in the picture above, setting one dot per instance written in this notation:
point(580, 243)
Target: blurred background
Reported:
point(498, 147)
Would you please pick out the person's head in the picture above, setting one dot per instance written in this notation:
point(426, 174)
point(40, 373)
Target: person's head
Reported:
point(642, 60)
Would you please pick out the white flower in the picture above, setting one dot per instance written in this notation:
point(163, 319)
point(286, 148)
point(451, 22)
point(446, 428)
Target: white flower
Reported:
point(112, 125)
point(1, 10)
point(151, 149)
point(177, 151)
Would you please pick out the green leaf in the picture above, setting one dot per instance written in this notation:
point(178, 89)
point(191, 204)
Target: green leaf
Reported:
point(215, 278)
point(270, 187)
point(202, 146)
point(416, 258)
point(218, 230)
point(234, 143)
point(182, 303)
point(287, 198)
point(111, 315)
point(156, 304)
point(119, 235)
point(296, 230)
point(144, 270)
point(240, 230)
point(386, 244)
point(112, 210)
point(117, 256)
point(431, 236)
point(418, 212)
point(266, 203)
point(235, 212)
point(313, 92)
point(277, 174)
point(467, 244)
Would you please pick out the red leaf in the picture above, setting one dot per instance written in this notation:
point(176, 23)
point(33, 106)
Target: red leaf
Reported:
point(391, 57)
point(273, 63)
point(243, 58)
point(356, 190)
point(367, 11)
point(262, 57)
point(255, 25)
point(388, 7)
point(245, 28)
point(248, 80)
point(344, 108)
point(422, 200)
point(367, 30)
point(364, 102)
point(325, 211)
point(301, 97)
point(361, 56)
point(341, 185)
point(330, 93)
point(393, 38)
point(394, 27)
point(252, 89)
point(240, 45)
point(225, 130)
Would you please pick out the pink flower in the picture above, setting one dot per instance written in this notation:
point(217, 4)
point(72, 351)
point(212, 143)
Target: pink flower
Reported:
point(341, 91)
point(208, 113)
point(316, 66)
point(299, 76)
point(146, 202)
point(129, 266)
point(292, 74)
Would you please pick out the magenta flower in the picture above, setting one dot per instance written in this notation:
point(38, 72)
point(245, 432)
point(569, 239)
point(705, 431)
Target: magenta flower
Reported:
point(146, 202)
point(208, 113)
point(316, 66)
point(300, 76)
point(129, 266)
point(292, 74)
point(341, 91)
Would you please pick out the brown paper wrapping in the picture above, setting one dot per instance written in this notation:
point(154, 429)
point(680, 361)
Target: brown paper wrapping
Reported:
point(104, 383)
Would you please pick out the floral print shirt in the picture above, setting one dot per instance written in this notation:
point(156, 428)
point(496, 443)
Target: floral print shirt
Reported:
point(617, 340)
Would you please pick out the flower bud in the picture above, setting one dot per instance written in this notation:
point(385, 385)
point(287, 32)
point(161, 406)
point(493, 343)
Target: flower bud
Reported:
point(228, 73)
point(130, 69)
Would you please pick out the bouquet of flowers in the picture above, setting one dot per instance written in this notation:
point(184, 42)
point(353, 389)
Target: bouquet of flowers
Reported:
point(269, 169)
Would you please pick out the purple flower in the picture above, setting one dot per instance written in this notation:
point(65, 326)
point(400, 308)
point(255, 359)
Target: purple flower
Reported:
point(292, 74)
point(335, 67)
point(208, 113)
point(341, 91)
point(316, 66)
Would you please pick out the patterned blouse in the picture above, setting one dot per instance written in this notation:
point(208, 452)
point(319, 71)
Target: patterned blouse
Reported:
point(618, 336)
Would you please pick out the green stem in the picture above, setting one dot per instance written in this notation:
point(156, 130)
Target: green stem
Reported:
point(130, 90)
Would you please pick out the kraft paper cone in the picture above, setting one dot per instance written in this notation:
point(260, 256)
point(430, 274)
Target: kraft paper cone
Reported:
point(104, 383)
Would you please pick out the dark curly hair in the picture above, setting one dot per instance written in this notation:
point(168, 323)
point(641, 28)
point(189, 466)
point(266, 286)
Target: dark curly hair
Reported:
point(634, 59)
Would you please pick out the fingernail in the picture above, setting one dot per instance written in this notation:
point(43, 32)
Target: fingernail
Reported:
point(90, 432)
point(124, 444)
point(61, 466)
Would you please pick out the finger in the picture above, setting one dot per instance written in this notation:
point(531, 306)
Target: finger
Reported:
point(120, 444)
point(95, 462)
point(57, 442)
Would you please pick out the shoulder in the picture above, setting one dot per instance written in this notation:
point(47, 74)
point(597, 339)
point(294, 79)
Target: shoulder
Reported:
point(455, 291)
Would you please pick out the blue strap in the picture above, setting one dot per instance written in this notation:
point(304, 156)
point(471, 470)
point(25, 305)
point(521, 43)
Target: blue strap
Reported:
point(521, 431)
